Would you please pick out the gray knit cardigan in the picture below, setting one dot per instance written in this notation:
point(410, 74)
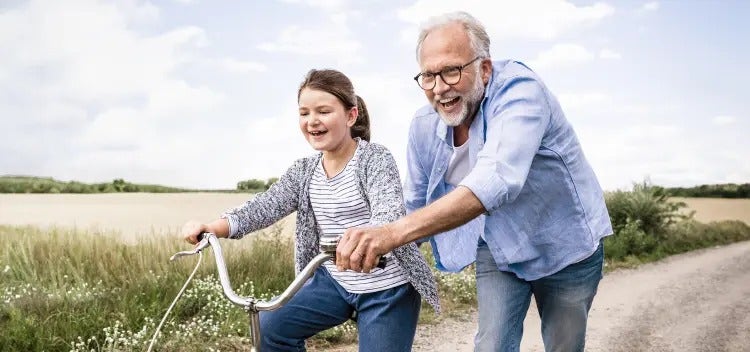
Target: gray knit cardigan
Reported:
point(380, 187)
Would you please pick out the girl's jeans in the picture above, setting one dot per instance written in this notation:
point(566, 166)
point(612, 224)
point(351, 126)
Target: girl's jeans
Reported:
point(386, 320)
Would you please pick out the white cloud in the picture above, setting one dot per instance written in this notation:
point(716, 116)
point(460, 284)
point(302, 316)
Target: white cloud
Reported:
point(328, 5)
point(98, 92)
point(650, 6)
point(609, 54)
point(138, 11)
point(241, 66)
point(333, 42)
point(331, 38)
point(268, 146)
point(723, 120)
point(531, 19)
point(562, 55)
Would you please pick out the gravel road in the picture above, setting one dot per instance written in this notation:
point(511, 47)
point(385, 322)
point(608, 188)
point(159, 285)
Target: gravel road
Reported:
point(698, 301)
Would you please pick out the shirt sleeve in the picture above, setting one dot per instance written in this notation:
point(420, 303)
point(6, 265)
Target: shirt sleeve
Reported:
point(417, 180)
point(517, 116)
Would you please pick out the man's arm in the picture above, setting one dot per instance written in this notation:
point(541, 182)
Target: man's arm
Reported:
point(360, 248)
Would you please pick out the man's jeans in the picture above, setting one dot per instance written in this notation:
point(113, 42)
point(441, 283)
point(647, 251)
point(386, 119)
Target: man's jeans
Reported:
point(386, 320)
point(563, 300)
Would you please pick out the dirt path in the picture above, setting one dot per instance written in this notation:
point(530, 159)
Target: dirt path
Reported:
point(697, 301)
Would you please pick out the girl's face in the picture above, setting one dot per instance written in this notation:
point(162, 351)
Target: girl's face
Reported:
point(323, 120)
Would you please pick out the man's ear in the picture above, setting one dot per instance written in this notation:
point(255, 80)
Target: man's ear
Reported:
point(486, 70)
point(352, 117)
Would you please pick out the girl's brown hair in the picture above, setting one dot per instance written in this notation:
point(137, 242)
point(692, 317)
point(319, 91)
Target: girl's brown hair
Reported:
point(337, 84)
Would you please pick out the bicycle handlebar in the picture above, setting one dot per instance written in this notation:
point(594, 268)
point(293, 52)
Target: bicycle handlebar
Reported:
point(209, 239)
point(328, 251)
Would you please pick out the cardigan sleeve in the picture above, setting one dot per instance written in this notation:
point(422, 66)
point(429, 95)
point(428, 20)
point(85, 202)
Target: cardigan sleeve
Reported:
point(265, 208)
point(383, 186)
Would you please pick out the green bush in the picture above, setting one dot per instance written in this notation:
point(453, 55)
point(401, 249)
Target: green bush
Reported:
point(646, 205)
point(648, 226)
point(630, 240)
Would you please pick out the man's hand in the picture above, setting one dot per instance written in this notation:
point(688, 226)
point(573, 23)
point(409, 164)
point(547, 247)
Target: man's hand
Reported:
point(360, 247)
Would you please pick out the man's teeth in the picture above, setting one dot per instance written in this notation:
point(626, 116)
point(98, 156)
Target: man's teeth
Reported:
point(447, 100)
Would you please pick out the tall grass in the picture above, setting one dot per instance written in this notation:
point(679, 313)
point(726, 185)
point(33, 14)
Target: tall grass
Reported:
point(66, 290)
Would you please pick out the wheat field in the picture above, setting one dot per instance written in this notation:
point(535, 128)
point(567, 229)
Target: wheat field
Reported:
point(715, 209)
point(133, 215)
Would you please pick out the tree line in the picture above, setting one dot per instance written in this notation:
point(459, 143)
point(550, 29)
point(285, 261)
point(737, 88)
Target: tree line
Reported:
point(31, 184)
point(255, 185)
point(727, 190)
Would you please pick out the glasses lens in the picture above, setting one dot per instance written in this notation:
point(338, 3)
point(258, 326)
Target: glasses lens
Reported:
point(426, 81)
point(451, 75)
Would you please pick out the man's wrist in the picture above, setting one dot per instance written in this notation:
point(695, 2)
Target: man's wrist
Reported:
point(400, 232)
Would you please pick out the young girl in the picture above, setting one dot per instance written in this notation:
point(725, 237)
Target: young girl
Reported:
point(351, 182)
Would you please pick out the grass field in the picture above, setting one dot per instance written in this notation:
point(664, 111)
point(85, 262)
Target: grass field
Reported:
point(66, 285)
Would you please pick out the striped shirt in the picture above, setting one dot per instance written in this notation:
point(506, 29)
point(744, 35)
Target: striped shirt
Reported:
point(338, 205)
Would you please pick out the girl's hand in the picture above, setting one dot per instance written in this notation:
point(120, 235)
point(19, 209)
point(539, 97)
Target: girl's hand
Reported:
point(192, 229)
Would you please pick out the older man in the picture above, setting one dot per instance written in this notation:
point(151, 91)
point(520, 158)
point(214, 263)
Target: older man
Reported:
point(497, 175)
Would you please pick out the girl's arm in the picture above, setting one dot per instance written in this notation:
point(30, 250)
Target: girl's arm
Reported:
point(265, 208)
point(261, 211)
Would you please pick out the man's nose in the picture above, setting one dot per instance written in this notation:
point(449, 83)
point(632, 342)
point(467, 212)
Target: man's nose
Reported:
point(440, 86)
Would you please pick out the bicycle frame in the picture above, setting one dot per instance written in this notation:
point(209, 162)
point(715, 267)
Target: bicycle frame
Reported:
point(252, 306)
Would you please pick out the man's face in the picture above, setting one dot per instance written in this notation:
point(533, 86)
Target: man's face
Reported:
point(449, 46)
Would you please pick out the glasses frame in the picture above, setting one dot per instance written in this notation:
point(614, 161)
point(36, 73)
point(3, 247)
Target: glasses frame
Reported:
point(441, 72)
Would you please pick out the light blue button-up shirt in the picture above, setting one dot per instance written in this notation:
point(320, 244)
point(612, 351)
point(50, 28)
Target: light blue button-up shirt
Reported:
point(545, 207)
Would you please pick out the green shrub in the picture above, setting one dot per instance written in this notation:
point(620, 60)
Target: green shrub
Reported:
point(630, 240)
point(647, 206)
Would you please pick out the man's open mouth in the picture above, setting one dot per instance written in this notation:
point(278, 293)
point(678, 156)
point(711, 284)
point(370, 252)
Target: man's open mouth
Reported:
point(448, 103)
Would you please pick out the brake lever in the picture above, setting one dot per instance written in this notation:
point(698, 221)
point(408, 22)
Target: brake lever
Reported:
point(203, 238)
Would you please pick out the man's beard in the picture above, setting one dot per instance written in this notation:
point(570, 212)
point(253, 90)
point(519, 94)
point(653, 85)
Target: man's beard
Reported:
point(469, 103)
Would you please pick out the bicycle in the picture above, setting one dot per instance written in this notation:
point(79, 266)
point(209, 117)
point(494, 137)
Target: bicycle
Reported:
point(251, 305)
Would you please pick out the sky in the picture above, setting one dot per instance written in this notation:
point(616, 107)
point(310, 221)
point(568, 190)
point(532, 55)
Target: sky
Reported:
point(202, 94)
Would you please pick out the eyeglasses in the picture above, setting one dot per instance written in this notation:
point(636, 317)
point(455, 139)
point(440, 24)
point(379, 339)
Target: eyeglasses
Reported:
point(449, 75)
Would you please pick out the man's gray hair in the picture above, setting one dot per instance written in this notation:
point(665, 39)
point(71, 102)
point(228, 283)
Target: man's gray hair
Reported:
point(478, 38)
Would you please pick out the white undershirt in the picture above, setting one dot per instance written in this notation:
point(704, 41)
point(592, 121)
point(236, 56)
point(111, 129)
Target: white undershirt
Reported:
point(338, 205)
point(458, 167)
